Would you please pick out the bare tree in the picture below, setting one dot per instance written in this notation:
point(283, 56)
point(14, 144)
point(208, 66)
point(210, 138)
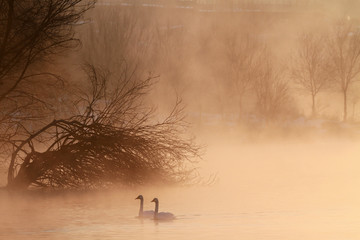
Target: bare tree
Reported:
point(170, 58)
point(113, 139)
point(271, 90)
point(31, 32)
point(117, 36)
point(308, 67)
point(344, 52)
point(242, 59)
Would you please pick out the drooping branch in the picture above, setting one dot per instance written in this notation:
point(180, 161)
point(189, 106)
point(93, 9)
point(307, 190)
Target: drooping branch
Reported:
point(114, 140)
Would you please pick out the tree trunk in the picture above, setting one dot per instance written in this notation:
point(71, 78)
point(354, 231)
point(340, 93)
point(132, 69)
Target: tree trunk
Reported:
point(353, 111)
point(240, 110)
point(240, 107)
point(313, 113)
point(21, 181)
point(29, 172)
point(345, 105)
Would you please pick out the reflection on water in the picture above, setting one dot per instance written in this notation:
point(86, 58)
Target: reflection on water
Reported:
point(256, 198)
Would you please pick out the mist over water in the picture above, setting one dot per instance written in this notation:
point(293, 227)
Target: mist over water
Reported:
point(279, 190)
point(291, 176)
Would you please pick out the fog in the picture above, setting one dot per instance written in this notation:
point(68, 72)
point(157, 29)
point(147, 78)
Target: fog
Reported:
point(263, 191)
point(194, 50)
point(272, 166)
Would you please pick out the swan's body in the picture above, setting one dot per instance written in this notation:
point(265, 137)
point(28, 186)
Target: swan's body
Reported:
point(142, 213)
point(161, 215)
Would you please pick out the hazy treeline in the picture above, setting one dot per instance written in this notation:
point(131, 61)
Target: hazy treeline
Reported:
point(265, 66)
point(239, 5)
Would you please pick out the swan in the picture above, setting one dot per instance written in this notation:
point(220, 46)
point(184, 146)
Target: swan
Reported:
point(142, 213)
point(161, 215)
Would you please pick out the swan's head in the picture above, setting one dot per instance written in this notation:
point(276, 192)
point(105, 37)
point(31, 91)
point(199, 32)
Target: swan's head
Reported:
point(155, 200)
point(140, 197)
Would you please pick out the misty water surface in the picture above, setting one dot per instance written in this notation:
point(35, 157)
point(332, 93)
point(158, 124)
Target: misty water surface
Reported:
point(264, 191)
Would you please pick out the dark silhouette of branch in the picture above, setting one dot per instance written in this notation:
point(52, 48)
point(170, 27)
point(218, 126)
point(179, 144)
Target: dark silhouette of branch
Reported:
point(113, 140)
point(32, 33)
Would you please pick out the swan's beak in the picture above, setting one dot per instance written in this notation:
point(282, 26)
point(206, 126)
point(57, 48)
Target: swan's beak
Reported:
point(137, 197)
point(153, 200)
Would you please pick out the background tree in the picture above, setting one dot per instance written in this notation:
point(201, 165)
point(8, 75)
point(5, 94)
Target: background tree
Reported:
point(344, 53)
point(271, 90)
point(308, 67)
point(118, 37)
point(171, 53)
point(242, 55)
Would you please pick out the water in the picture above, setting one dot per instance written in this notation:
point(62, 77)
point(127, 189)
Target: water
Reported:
point(255, 198)
point(93, 217)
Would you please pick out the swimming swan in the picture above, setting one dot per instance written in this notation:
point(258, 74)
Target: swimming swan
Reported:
point(161, 215)
point(142, 213)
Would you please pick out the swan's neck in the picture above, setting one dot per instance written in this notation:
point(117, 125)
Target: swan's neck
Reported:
point(156, 208)
point(141, 207)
